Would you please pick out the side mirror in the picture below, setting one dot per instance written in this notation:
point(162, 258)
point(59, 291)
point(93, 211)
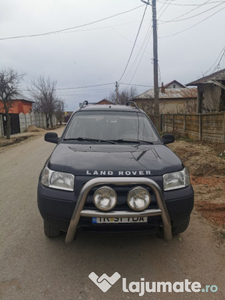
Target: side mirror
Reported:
point(168, 138)
point(51, 137)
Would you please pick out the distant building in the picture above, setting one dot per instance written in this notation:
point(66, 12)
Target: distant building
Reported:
point(211, 92)
point(174, 98)
point(104, 101)
point(66, 116)
point(174, 85)
point(18, 106)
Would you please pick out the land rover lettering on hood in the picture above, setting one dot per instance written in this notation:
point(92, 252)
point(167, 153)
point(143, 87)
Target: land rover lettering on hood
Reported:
point(111, 172)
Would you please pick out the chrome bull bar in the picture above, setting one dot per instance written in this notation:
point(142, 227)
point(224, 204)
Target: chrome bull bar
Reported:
point(79, 212)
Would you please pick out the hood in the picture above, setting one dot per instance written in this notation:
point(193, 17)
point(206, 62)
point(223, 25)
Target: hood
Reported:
point(114, 160)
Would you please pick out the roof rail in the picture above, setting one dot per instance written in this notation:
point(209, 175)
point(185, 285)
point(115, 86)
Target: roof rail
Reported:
point(132, 102)
point(85, 103)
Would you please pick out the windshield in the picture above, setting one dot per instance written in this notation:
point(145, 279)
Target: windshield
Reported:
point(110, 125)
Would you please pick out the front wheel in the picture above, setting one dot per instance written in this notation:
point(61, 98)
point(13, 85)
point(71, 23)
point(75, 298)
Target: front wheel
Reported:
point(181, 227)
point(51, 231)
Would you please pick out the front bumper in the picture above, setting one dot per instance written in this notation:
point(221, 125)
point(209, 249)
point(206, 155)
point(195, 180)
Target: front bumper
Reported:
point(59, 209)
point(78, 211)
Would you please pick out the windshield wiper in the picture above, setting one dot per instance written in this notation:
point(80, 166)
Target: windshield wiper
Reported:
point(146, 142)
point(132, 141)
point(80, 139)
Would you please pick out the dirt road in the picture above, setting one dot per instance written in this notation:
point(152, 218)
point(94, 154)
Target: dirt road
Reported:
point(34, 267)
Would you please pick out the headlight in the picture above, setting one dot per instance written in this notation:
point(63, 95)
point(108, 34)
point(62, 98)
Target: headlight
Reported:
point(57, 180)
point(138, 198)
point(105, 198)
point(177, 180)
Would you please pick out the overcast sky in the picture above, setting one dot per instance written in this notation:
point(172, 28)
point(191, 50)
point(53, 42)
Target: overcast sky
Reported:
point(85, 44)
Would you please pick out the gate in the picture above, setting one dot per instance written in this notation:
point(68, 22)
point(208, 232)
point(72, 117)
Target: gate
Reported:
point(14, 123)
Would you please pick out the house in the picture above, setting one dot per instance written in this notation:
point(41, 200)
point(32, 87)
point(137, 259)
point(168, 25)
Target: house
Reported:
point(104, 101)
point(174, 98)
point(211, 92)
point(18, 106)
point(66, 116)
point(174, 85)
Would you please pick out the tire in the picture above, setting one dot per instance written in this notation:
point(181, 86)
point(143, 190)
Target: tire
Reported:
point(50, 231)
point(181, 227)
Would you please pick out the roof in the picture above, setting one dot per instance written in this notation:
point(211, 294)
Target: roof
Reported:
point(104, 101)
point(181, 93)
point(174, 81)
point(220, 75)
point(25, 100)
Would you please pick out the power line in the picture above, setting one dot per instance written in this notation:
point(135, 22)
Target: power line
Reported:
point(146, 41)
point(92, 86)
point(219, 58)
point(177, 19)
point(69, 28)
point(85, 87)
point(192, 25)
point(97, 28)
point(197, 7)
point(144, 46)
point(132, 50)
point(86, 92)
point(134, 84)
point(127, 38)
point(190, 5)
point(165, 8)
point(78, 87)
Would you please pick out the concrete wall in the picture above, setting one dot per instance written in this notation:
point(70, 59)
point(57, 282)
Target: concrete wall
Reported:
point(34, 119)
point(203, 127)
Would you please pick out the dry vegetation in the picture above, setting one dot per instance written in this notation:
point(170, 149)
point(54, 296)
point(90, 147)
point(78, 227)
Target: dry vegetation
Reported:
point(206, 164)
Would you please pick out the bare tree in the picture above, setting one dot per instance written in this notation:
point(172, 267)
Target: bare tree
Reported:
point(9, 90)
point(44, 93)
point(123, 96)
point(59, 112)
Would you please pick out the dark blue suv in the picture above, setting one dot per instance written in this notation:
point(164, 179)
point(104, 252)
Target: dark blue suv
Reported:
point(111, 172)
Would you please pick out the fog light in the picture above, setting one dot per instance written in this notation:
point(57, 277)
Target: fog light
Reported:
point(105, 198)
point(138, 198)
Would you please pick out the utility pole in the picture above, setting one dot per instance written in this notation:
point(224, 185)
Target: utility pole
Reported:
point(117, 92)
point(155, 58)
point(155, 61)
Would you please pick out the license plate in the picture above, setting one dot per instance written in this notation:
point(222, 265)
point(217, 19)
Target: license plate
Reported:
point(120, 220)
